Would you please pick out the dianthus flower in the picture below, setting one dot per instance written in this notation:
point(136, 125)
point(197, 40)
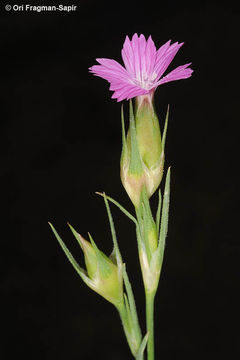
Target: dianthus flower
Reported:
point(144, 68)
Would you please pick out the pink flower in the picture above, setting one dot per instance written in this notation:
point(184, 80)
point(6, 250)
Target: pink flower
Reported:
point(144, 67)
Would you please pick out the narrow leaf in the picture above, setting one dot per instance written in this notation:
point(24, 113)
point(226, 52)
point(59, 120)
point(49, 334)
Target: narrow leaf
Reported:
point(81, 272)
point(132, 304)
point(140, 240)
point(124, 145)
point(139, 231)
point(148, 223)
point(147, 206)
point(142, 347)
point(165, 130)
point(66, 251)
point(146, 227)
point(128, 312)
point(158, 211)
point(164, 218)
point(113, 232)
point(119, 206)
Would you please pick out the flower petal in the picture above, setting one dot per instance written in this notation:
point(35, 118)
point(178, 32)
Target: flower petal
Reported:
point(144, 66)
point(126, 91)
point(150, 56)
point(128, 56)
point(120, 80)
point(137, 51)
point(139, 57)
point(109, 70)
point(165, 55)
point(181, 72)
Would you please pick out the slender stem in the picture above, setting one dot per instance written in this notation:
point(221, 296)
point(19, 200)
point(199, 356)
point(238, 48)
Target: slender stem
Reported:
point(150, 323)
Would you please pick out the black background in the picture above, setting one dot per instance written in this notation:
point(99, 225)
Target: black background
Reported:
point(61, 142)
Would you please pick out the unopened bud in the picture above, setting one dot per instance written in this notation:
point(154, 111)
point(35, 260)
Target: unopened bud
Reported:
point(149, 142)
point(142, 157)
point(106, 278)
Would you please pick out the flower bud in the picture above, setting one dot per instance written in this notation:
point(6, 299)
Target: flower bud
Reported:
point(149, 142)
point(142, 157)
point(105, 277)
point(102, 275)
point(148, 131)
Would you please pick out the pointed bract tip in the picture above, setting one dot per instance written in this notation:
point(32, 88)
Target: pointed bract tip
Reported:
point(51, 226)
point(91, 239)
point(99, 193)
point(70, 226)
point(84, 243)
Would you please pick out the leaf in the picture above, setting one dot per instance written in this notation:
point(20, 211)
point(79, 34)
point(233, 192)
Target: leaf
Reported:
point(149, 225)
point(165, 130)
point(132, 304)
point(142, 347)
point(128, 313)
point(113, 232)
point(130, 216)
point(158, 215)
point(124, 142)
point(164, 217)
point(74, 263)
point(66, 251)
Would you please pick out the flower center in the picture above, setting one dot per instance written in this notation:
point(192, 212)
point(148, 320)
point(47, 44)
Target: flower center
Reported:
point(145, 80)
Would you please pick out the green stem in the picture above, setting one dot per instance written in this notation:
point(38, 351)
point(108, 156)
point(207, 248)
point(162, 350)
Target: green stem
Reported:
point(150, 323)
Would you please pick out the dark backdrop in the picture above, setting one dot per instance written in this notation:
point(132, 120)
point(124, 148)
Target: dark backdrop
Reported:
point(61, 142)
